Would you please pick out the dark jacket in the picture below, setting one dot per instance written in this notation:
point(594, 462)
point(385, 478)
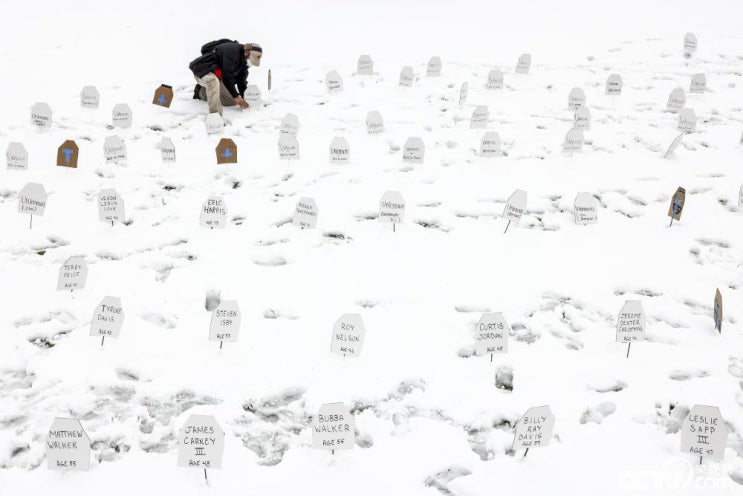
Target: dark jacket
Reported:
point(230, 59)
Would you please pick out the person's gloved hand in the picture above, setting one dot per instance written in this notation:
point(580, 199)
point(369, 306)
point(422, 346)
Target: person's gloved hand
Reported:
point(241, 102)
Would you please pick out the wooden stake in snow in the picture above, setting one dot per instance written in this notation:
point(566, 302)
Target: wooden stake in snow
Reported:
point(269, 80)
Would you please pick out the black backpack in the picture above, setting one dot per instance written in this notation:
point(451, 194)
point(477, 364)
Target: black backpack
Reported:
point(212, 45)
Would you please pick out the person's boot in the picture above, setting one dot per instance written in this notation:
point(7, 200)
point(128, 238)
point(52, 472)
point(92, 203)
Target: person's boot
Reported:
point(197, 92)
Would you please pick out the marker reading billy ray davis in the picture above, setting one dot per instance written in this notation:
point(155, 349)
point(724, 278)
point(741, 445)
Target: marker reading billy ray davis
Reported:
point(534, 429)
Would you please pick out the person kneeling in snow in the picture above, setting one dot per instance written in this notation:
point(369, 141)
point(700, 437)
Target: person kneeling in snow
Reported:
point(222, 72)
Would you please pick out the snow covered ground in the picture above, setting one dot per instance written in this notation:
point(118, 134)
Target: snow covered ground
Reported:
point(431, 418)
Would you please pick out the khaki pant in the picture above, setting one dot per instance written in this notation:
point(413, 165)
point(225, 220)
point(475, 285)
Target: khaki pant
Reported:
point(215, 93)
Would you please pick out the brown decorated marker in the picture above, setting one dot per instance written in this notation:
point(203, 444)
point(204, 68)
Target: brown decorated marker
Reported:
point(677, 205)
point(226, 151)
point(67, 154)
point(163, 96)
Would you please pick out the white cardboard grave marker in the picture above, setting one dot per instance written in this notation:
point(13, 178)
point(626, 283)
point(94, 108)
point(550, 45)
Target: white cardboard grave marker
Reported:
point(515, 207)
point(676, 100)
point(41, 115)
point(614, 85)
point(586, 209)
point(704, 433)
point(374, 122)
point(121, 115)
point(225, 323)
point(406, 76)
point(348, 335)
point(480, 116)
point(674, 144)
point(200, 443)
point(573, 141)
point(534, 429)
point(89, 97)
point(16, 156)
point(340, 151)
point(32, 200)
point(698, 83)
point(433, 69)
point(167, 150)
point(214, 123)
point(333, 428)
point(288, 147)
point(110, 206)
point(365, 66)
point(253, 96)
point(72, 274)
point(495, 80)
point(392, 208)
point(631, 323)
point(67, 445)
point(582, 119)
point(491, 334)
point(213, 213)
point(690, 44)
point(413, 151)
point(108, 318)
point(576, 98)
point(290, 124)
point(305, 213)
point(114, 150)
point(463, 93)
point(334, 82)
point(490, 144)
point(523, 65)
point(687, 121)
